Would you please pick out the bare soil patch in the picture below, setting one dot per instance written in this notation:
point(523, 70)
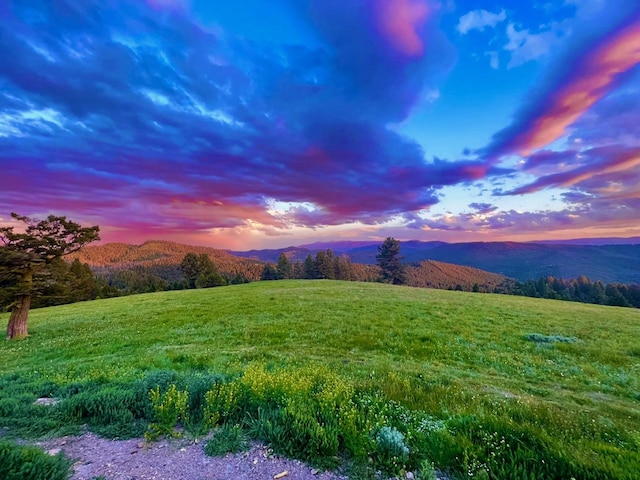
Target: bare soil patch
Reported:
point(174, 460)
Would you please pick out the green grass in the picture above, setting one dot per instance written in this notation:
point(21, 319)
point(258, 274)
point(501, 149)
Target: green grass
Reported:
point(19, 462)
point(464, 359)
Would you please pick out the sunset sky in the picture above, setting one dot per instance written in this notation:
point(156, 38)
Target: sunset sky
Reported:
point(266, 123)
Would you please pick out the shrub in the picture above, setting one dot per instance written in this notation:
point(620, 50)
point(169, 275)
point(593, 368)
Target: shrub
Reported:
point(198, 385)
point(227, 439)
point(221, 403)
point(169, 408)
point(391, 451)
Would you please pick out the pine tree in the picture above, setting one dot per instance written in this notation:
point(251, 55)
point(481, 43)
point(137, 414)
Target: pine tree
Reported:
point(283, 267)
point(390, 262)
point(26, 260)
point(310, 268)
point(200, 272)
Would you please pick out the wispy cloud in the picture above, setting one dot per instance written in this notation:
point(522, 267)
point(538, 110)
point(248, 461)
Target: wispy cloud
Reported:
point(602, 162)
point(524, 46)
point(479, 20)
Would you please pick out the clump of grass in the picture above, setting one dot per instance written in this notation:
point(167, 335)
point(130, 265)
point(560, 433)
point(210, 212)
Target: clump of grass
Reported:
point(539, 338)
point(19, 462)
point(111, 410)
point(427, 471)
point(227, 439)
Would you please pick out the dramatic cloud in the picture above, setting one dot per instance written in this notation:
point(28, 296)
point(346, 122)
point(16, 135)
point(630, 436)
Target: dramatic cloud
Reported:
point(156, 118)
point(154, 122)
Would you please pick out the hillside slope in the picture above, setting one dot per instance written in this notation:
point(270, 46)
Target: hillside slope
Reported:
point(447, 276)
point(558, 381)
point(156, 253)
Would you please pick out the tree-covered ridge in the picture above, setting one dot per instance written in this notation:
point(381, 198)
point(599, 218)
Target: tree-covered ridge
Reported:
point(123, 269)
point(447, 276)
point(580, 289)
point(161, 256)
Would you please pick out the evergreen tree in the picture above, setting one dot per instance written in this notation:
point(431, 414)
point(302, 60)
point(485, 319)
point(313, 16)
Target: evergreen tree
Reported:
point(200, 272)
point(390, 262)
point(325, 264)
point(343, 268)
point(310, 268)
point(26, 261)
point(190, 269)
point(269, 272)
point(283, 267)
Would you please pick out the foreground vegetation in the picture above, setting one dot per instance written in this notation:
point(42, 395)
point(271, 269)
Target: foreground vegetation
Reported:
point(387, 378)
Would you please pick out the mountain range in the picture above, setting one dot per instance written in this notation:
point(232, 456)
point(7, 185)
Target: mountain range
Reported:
point(609, 262)
point(163, 259)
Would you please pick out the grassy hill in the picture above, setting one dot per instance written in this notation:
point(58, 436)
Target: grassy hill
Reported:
point(461, 374)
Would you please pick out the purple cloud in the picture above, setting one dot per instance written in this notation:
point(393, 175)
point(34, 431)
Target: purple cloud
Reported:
point(144, 119)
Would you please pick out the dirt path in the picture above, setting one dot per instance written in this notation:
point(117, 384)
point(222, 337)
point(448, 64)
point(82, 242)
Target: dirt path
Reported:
point(173, 460)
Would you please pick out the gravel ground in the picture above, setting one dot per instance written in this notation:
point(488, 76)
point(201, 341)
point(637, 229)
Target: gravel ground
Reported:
point(173, 460)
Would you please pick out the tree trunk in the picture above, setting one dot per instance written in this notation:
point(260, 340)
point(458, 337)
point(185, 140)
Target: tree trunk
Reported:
point(17, 327)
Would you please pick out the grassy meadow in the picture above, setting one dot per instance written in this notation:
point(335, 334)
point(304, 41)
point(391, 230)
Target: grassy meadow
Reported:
point(381, 377)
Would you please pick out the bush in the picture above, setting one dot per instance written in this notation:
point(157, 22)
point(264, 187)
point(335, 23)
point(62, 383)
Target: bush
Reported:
point(30, 463)
point(169, 408)
point(198, 385)
point(391, 451)
point(222, 403)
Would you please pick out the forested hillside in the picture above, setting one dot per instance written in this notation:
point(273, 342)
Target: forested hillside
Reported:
point(163, 258)
point(155, 265)
point(447, 276)
point(526, 261)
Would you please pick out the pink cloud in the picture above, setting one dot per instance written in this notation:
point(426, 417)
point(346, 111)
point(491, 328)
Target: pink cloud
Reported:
point(593, 77)
point(400, 22)
point(613, 162)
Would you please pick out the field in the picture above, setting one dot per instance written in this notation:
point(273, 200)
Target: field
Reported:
point(484, 386)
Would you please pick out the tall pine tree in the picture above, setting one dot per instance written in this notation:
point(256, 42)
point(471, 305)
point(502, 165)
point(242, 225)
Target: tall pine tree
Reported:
point(391, 268)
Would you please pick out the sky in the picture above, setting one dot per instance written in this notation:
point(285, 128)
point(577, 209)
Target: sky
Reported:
point(262, 124)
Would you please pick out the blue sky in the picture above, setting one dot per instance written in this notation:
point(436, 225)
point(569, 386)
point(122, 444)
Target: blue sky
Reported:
point(253, 124)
